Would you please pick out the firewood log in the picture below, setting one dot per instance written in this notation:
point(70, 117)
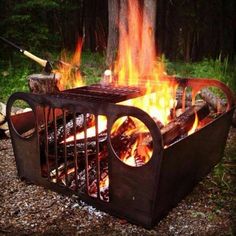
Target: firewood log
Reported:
point(219, 105)
point(43, 83)
point(182, 124)
point(69, 127)
point(123, 143)
point(2, 113)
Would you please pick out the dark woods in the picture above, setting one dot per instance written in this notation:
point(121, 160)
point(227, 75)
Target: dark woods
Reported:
point(193, 29)
point(185, 29)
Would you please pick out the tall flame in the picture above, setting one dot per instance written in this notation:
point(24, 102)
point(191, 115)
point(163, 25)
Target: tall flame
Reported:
point(69, 69)
point(136, 65)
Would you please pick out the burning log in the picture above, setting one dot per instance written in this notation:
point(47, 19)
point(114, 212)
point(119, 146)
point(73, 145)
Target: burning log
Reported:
point(66, 176)
point(69, 127)
point(103, 186)
point(133, 143)
point(123, 143)
point(182, 124)
point(132, 147)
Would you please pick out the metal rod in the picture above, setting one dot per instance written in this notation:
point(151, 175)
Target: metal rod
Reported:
point(46, 140)
point(184, 99)
point(97, 157)
point(55, 142)
point(75, 152)
point(65, 148)
point(86, 154)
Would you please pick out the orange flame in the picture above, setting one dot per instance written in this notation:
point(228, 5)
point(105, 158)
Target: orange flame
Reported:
point(136, 65)
point(139, 154)
point(69, 69)
point(104, 183)
point(195, 125)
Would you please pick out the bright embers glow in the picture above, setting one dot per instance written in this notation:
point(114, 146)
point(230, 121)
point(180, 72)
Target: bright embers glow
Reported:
point(104, 183)
point(139, 153)
point(136, 65)
point(91, 132)
point(195, 125)
point(157, 104)
point(129, 156)
point(69, 69)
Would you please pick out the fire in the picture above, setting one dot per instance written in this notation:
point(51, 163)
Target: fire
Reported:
point(69, 70)
point(195, 125)
point(104, 183)
point(139, 154)
point(91, 132)
point(131, 141)
point(136, 65)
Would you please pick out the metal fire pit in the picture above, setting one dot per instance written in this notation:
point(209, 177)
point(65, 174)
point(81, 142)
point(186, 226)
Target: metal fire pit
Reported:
point(142, 195)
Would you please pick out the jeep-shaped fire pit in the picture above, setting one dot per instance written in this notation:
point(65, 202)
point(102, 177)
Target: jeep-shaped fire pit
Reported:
point(117, 157)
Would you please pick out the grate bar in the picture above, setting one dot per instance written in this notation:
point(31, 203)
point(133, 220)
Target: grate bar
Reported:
point(55, 142)
point(75, 152)
point(46, 141)
point(97, 157)
point(86, 154)
point(65, 148)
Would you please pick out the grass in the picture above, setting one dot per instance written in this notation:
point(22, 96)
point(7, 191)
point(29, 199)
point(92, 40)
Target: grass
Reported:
point(92, 67)
point(208, 68)
point(13, 80)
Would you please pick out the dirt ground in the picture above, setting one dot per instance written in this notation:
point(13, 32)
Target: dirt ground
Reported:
point(31, 210)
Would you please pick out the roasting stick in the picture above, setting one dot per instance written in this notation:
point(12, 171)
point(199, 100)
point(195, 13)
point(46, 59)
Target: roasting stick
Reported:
point(44, 63)
point(47, 65)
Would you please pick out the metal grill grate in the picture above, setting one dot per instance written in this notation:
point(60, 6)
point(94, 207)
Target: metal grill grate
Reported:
point(107, 93)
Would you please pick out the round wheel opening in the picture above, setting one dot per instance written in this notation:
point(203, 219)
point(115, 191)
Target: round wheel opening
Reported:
point(22, 118)
point(131, 141)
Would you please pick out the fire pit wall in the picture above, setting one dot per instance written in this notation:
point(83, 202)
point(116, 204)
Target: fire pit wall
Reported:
point(142, 195)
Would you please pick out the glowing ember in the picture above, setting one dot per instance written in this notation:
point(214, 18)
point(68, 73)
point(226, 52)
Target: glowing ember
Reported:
point(131, 141)
point(139, 154)
point(104, 183)
point(91, 132)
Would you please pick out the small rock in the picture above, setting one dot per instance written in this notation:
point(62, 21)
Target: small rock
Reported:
point(76, 205)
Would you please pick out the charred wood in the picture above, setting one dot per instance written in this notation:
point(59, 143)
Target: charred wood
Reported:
point(182, 124)
point(69, 127)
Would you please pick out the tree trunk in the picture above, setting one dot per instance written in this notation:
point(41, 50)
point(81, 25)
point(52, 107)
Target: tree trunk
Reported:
point(113, 24)
point(148, 34)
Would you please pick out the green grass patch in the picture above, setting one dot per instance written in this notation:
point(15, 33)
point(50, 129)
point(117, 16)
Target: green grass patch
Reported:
point(222, 70)
point(92, 67)
point(13, 80)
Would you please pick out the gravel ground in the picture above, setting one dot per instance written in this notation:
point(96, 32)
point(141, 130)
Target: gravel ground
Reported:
point(31, 210)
